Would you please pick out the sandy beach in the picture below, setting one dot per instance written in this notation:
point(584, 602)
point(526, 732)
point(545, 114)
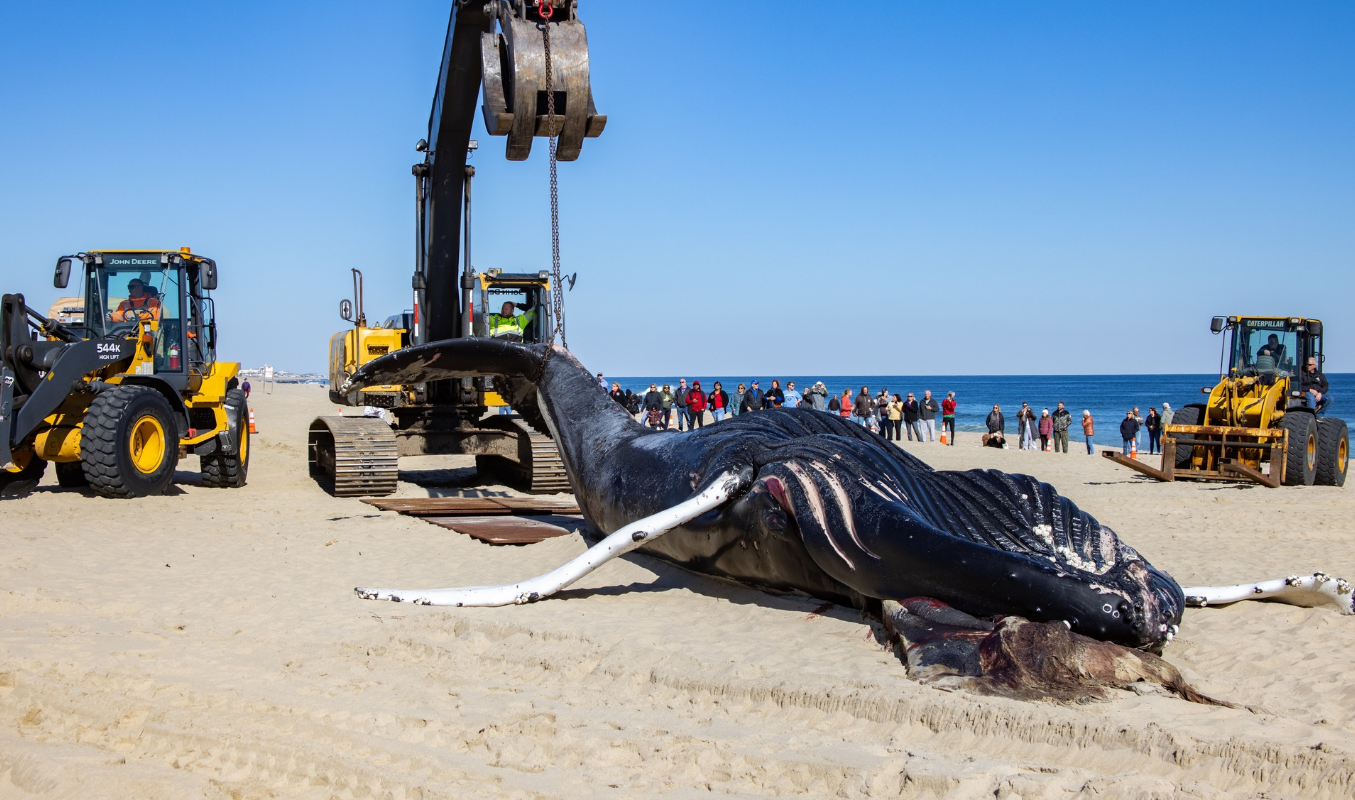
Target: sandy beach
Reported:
point(208, 644)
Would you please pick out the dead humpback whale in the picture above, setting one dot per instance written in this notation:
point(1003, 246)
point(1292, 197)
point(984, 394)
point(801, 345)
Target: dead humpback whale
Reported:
point(802, 501)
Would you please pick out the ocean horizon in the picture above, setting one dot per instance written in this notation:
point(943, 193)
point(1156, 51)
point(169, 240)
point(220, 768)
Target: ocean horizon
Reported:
point(1107, 397)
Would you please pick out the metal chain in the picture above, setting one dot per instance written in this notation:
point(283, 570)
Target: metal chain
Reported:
point(557, 283)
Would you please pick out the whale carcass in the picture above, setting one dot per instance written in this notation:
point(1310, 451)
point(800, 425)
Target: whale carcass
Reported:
point(801, 501)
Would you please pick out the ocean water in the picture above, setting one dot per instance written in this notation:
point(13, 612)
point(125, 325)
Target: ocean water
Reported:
point(1108, 397)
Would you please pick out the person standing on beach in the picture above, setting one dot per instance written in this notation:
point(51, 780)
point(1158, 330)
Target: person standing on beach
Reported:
point(1046, 429)
point(948, 407)
point(793, 397)
point(927, 415)
point(1139, 418)
point(602, 381)
point(618, 395)
point(753, 399)
point(910, 412)
point(653, 407)
point(774, 398)
point(997, 428)
point(1129, 429)
point(1167, 414)
point(736, 406)
point(845, 404)
point(817, 395)
point(666, 398)
point(680, 404)
point(895, 414)
point(1154, 425)
point(882, 411)
point(1088, 430)
point(1063, 420)
point(863, 408)
point(696, 406)
point(1025, 426)
point(718, 401)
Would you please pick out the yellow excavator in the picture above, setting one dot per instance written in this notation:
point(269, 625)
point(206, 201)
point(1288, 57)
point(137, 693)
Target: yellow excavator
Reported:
point(529, 61)
point(122, 383)
point(1260, 422)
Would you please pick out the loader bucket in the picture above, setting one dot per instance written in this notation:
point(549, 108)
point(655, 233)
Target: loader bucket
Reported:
point(514, 78)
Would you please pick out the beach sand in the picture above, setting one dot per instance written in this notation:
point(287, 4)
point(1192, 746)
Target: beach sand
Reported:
point(208, 643)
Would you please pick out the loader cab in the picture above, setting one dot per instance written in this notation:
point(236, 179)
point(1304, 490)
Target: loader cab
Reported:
point(497, 287)
point(164, 296)
point(1271, 348)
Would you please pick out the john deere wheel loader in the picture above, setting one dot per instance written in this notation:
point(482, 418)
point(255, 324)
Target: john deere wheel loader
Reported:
point(1257, 423)
point(115, 399)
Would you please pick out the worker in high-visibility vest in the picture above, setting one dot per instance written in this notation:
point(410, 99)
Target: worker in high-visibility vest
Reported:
point(508, 326)
point(140, 304)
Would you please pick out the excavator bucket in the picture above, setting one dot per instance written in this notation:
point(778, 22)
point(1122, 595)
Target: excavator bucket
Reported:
point(514, 61)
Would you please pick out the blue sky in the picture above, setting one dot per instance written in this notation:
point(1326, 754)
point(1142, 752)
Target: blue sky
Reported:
point(808, 188)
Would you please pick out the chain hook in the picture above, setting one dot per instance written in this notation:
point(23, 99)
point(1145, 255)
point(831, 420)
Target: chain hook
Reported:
point(545, 8)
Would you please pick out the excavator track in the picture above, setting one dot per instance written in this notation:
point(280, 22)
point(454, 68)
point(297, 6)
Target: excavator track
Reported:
point(359, 453)
point(539, 468)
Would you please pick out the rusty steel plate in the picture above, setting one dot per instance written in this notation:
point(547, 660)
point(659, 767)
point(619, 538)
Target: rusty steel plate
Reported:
point(472, 506)
point(510, 530)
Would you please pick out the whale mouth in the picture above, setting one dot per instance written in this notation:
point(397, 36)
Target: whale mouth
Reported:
point(777, 490)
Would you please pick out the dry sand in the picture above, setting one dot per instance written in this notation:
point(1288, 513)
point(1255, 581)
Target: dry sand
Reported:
point(208, 644)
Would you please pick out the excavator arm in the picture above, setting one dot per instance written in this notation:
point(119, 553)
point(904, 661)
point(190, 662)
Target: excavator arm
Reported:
point(498, 47)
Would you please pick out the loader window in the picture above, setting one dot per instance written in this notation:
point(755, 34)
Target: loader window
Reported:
point(1264, 348)
point(128, 287)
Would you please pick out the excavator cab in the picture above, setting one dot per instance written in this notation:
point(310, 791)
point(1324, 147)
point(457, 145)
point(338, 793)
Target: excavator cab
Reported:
point(529, 293)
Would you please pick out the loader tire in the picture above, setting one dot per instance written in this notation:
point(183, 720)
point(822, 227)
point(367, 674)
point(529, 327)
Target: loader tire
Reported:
point(230, 472)
point(1333, 452)
point(1301, 454)
point(71, 475)
point(1188, 415)
point(130, 442)
point(22, 482)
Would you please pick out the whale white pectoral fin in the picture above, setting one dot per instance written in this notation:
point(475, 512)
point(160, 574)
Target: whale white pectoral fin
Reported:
point(1310, 591)
point(619, 543)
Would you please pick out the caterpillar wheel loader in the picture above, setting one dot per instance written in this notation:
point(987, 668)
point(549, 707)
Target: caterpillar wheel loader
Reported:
point(116, 395)
point(497, 51)
point(1256, 423)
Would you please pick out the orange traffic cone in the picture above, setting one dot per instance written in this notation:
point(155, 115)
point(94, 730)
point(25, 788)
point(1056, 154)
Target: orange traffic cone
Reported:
point(1049, 446)
point(252, 428)
point(1133, 449)
point(943, 436)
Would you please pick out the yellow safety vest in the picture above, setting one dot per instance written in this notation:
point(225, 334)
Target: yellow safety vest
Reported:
point(499, 325)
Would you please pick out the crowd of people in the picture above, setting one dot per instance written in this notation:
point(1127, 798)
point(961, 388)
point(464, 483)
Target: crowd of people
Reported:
point(895, 416)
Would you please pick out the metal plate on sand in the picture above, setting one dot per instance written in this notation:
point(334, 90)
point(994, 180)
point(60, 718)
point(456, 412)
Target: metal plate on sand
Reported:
point(509, 530)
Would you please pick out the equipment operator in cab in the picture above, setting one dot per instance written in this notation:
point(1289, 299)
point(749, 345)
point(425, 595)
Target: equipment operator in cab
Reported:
point(508, 326)
point(140, 304)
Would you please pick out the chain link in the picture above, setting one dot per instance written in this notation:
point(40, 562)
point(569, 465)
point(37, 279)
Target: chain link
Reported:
point(557, 283)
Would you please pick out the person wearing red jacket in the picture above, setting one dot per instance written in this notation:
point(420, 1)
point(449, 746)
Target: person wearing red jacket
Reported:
point(948, 416)
point(696, 406)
